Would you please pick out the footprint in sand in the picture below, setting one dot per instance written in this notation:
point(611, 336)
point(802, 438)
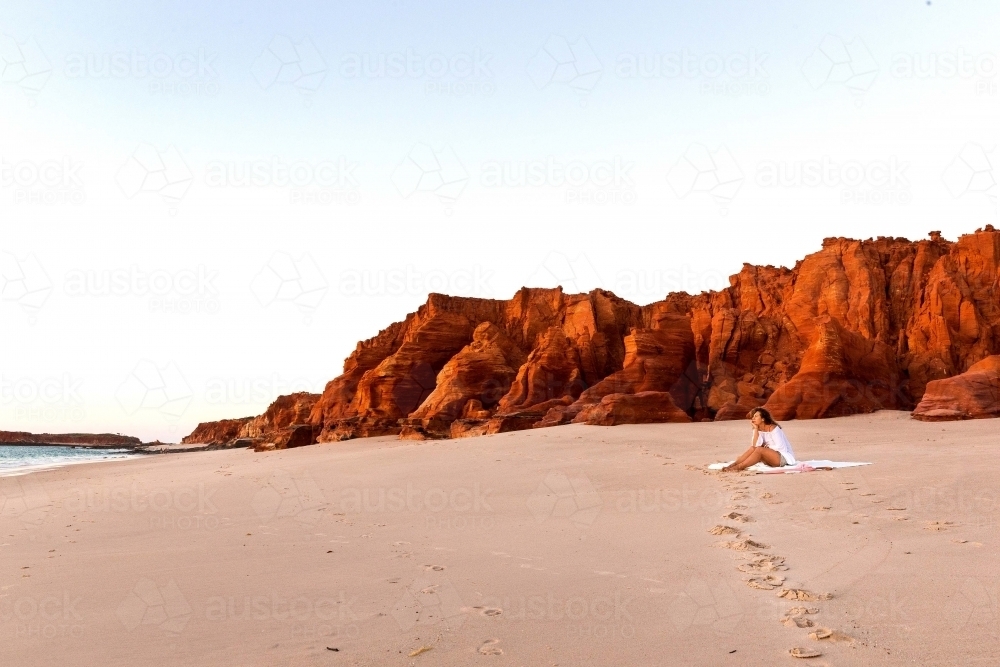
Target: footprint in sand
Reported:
point(435, 568)
point(796, 617)
point(724, 530)
point(766, 495)
point(767, 582)
point(491, 612)
point(484, 611)
point(803, 595)
point(821, 508)
point(736, 516)
point(799, 652)
point(763, 564)
point(939, 525)
point(490, 647)
point(743, 545)
point(797, 622)
point(821, 634)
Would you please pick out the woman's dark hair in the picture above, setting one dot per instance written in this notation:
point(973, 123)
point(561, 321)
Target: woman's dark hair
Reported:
point(764, 414)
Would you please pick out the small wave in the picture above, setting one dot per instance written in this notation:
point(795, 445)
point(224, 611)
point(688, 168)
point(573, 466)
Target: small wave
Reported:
point(19, 460)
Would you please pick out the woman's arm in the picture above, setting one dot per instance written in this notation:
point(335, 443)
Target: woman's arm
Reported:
point(756, 435)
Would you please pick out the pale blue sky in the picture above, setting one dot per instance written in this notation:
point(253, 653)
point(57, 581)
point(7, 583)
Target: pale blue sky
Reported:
point(922, 131)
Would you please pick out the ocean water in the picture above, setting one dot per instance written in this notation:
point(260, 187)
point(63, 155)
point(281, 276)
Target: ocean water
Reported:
point(16, 460)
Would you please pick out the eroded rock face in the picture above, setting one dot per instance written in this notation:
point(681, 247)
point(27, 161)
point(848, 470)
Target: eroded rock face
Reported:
point(857, 326)
point(644, 407)
point(216, 433)
point(842, 373)
point(975, 394)
point(470, 385)
point(659, 360)
point(274, 426)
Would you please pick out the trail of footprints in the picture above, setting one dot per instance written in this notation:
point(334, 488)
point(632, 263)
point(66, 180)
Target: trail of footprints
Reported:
point(763, 568)
point(764, 571)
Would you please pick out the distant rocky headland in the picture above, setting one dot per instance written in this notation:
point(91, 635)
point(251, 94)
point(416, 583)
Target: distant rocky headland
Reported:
point(856, 327)
point(91, 440)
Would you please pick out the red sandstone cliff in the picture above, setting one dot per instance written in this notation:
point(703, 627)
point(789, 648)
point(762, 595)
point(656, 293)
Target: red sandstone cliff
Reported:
point(284, 424)
point(856, 327)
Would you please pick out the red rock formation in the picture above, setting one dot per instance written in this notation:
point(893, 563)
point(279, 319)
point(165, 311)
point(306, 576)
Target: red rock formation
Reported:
point(856, 327)
point(470, 385)
point(974, 394)
point(216, 433)
point(573, 341)
point(279, 425)
point(644, 407)
point(842, 373)
point(656, 361)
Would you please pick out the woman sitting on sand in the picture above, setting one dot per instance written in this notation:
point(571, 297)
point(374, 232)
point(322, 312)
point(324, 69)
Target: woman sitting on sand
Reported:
point(774, 449)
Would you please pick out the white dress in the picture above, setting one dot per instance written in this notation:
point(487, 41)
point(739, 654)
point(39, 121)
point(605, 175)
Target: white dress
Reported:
point(777, 441)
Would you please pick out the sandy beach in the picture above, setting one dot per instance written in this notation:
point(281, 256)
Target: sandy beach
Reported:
point(573, 545)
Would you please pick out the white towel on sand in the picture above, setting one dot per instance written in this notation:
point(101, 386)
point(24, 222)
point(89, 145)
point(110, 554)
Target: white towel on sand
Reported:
point(801, 466)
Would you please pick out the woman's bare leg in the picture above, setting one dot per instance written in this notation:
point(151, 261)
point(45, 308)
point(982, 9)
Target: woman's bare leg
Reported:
point(765, 454)
point(741, 459)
